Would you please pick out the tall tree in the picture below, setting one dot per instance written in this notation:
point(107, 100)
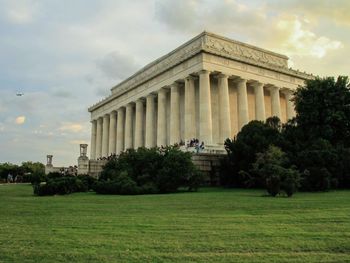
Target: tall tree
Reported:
point(323, 109)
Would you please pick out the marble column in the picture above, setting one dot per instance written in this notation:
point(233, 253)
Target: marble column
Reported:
point(105, 135)
point(275, 101)
point(99, 137)
point(242, 99)
point(120, 130)
point(161, 118)
point(93, 140)
point(224, 108)
point(112, 132)
point(290, 104)
point(259, 101)
point(150, 122)
point(205, 118)
point(128, 126)
point(174, 114)
point(139, 113)
point(190, 102)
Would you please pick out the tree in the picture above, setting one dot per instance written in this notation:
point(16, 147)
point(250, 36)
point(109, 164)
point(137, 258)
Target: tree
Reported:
point(9, 168)
point(34, 170)
point(254, 137)
point(323, 109)
point(271, 166)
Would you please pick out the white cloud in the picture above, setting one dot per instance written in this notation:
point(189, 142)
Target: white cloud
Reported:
point(20, 12)
point(77, 142)
point(261, 25)
point(296, 39)
point(71, 127)
point(335, 11)
point(20, 120)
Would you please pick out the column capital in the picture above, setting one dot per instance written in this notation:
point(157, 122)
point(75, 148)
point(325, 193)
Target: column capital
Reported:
point(240, 80)
point(174, 85)
point(130, 104)
point(190, 77)
point(203, 71)
point(113, 113)
point(286, 91)
point(140, 100)
point(222, 76)
point(162, 90)
point(257, 84)
point(151, 95)
point(121, 109)
point(272, 88)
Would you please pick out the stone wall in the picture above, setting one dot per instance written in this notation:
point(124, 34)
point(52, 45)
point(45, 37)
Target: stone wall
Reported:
point(95, 167)
point(209, 165)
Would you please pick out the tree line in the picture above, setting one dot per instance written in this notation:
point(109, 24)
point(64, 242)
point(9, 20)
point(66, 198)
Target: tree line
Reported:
point(26, 172)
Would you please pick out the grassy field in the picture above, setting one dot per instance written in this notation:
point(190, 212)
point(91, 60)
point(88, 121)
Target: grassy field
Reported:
point(212, 225)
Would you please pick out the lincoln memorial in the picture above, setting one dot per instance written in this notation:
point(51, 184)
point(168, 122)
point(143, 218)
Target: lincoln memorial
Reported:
point(208, 88)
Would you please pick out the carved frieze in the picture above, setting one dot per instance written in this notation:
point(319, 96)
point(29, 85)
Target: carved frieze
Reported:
point(241, 51)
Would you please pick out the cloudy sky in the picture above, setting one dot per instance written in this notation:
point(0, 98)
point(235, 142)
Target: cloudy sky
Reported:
point(66, 55)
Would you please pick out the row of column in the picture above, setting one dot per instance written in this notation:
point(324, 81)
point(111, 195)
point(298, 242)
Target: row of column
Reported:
point(113, 132)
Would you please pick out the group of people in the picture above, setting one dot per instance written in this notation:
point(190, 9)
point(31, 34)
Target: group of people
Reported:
point(14, 179)
point(195, 143)
point(108, 158)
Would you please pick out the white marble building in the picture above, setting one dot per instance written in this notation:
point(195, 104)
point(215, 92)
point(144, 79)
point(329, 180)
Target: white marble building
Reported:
point(208, 88)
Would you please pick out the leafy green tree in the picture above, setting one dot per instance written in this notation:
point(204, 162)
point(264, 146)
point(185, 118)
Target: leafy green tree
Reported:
point(317, 140)
point(320, 166)
point(35, 172)
point(9, 168)
point(255, 137)
point(270, 166)
point(323, 109)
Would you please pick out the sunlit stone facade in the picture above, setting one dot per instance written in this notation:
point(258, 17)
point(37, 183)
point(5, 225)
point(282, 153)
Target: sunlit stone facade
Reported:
point(208, 88)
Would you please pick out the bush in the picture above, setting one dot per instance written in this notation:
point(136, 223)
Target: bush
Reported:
point(35, 178)
point(61, 186)
point(146, 171)
point(123, 184)
point(89, 181)
point(270, 167)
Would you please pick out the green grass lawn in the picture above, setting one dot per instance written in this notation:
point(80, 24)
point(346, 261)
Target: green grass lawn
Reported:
point(212, 225)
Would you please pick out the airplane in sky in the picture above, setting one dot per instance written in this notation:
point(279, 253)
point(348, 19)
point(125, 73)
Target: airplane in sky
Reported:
point(19, 94)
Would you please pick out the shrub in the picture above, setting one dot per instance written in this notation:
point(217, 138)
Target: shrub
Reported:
point(122, 184)
point(145, 171)
point(35, 178)
point(89, 181)
point(54, 175)
point(270, 167)
point(60, 186)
